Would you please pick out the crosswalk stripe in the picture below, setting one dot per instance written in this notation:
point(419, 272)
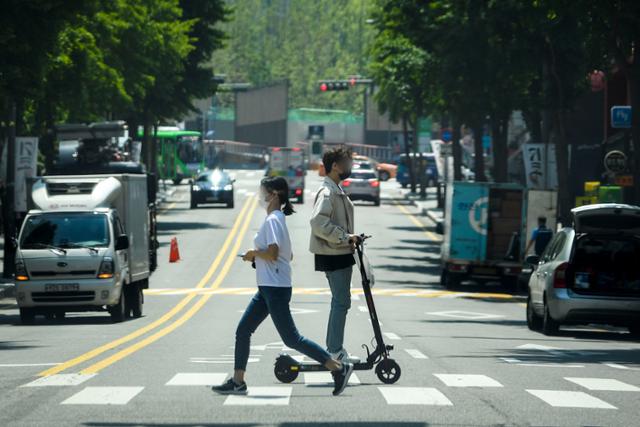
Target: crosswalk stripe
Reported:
point(262, 396)
point(197, 379)
point(392, 336)
point(103, 396)
point(414, 396)
point(416, 354)
point(603, 384)
point(60, 380)
point(458, 380)
point(325, 378)
point(570, 399)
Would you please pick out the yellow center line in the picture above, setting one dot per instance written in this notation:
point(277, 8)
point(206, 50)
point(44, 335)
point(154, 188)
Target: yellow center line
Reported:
point(166, 317)
point(418, 223)
point(97, 367)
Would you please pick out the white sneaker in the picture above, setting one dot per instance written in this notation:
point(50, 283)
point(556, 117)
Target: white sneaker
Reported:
point(344, 356)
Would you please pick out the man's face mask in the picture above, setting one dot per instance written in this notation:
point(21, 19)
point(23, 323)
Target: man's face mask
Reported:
point(345, 170)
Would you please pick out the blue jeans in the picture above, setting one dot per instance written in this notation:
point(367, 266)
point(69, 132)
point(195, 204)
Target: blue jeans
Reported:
point(274, 301)
point(340, 284)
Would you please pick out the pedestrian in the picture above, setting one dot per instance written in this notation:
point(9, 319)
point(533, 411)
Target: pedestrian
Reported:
point(333, 242)
point(540, 237)
point(272, 255)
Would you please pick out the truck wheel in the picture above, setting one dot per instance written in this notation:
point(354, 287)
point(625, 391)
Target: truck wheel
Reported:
point(510, 283)
point(134, 300)
point(117, 312)
point(448, 280)
point(27, 316)
point(534, 322)
point(405, 185)
point(549, 325)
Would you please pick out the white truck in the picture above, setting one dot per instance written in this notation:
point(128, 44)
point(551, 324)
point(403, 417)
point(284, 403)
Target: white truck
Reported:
point(289, 163)
point(85, 246)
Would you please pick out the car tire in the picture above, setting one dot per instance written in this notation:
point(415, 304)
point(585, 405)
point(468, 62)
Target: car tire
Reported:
point(384, 176)
point(118, 311)
point(550, 326)
point(534, 322)
point(60, 315)
point(301, 199)
point(194, 205)
point(634, 330)
point(230, 204)
point(27, 316)
point(404, 185)
point(376, 202)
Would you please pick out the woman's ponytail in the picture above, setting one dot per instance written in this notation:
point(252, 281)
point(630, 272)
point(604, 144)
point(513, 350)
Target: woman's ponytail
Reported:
point(280, 186)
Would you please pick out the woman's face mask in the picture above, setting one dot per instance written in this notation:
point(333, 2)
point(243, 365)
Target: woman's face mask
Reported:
point(265, 198)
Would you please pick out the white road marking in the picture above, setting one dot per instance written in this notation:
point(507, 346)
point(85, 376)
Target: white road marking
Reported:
point(199, 378)
point(551, 350)
point(619, 366)
point(416, 354)
point(220, 360)
point(355, 297)
point(379, 322)
point(458, 380)
point(392, 336)
point(103, 396)
point(363, 309)
point(470, 315)
point(262, 396)
point(25, 365)
point(325, 378)
point(540, 365)
point(603, 384)
point(414, 396)
point(570, 399)
point(60, 380)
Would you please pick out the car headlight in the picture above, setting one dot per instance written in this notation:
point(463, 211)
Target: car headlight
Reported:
point(228, 187)
point(195, 188)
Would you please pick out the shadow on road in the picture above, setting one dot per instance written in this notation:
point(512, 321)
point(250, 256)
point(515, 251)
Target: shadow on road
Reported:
point(288, 424)
point(164, 227)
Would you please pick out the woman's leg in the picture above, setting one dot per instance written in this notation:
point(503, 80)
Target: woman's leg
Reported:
point(254, 314)
point(277, 300)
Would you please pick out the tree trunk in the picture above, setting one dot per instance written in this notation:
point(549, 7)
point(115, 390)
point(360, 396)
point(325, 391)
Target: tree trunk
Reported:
point(500, 150)
point(478, 158)
point(456, 151)
point(407, 151)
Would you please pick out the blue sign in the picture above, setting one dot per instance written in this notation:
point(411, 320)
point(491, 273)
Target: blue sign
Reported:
point(446, 135)
point(621, 117)
point(486, 142)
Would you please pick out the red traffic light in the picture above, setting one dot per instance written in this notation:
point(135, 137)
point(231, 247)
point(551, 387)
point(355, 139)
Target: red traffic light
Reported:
point(323, 87)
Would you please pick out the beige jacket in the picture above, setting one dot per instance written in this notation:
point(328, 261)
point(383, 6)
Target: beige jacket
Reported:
point(331, 221)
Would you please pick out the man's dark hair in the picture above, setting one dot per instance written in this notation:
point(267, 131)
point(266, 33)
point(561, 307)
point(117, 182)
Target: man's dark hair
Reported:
point(542, 220)
point(335, 155)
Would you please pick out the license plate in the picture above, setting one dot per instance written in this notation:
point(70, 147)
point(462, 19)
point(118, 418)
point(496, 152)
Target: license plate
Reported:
point(485, 271)
point(61, 287)
point(212, 199)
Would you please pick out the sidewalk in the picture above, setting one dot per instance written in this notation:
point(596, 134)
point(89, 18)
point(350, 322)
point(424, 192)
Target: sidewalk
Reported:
point(428, 207)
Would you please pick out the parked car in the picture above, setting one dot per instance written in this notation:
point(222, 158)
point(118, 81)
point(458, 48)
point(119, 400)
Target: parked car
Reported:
point(214, 186)
point(588, 273)
point(431, 169)
point(363, 185)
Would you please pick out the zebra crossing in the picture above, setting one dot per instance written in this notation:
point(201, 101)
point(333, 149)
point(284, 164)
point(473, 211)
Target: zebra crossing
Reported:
point(439, 392)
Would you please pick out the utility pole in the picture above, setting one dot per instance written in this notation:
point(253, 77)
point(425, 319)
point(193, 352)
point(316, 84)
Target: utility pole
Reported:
point(9, 205)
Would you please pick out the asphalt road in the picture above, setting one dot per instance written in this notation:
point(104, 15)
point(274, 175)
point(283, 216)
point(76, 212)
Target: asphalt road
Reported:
point(467, 357)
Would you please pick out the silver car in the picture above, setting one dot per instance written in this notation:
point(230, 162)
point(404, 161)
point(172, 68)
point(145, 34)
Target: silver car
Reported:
point(589, 273)
point(363, 185)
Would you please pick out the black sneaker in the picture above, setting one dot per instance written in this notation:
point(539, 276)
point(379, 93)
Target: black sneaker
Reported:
point(230, 387)
point(341, 377)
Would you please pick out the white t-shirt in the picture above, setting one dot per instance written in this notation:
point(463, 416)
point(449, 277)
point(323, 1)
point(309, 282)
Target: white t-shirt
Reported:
point(274, 231)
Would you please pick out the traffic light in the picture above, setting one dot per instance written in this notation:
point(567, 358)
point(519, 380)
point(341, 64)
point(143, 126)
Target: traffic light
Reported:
point(333, 85)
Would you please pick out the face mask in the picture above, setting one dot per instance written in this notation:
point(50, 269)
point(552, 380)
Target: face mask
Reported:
point(264, 200)
point(345, 175)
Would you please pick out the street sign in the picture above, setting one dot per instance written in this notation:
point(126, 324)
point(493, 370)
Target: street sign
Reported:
point(446, 135)
point(621, 117)
point(615, 161)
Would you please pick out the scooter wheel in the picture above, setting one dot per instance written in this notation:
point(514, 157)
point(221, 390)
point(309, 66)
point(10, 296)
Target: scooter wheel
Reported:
point(284, 373)
point(388, 371)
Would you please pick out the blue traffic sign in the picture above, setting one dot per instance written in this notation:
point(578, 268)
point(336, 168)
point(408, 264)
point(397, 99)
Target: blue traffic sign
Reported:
point(446, 135)
point(621, 117)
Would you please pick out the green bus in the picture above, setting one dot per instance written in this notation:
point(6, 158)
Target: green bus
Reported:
point(180, 153)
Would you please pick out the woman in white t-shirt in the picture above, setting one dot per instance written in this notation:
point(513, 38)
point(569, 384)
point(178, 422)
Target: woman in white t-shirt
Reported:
point(272, 256)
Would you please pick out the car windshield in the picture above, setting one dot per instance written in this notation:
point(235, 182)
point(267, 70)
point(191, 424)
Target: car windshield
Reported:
point(215, 177)
point(65, 231)
point(362, 165)
point(363, 175)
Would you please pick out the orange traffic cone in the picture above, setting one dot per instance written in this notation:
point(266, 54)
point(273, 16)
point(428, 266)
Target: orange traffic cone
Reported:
point(174, 253)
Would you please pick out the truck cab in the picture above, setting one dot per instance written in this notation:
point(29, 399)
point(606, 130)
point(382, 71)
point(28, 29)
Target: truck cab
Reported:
point(84, 247)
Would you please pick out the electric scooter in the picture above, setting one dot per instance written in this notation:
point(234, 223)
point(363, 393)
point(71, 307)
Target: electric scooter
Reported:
point(388, 371)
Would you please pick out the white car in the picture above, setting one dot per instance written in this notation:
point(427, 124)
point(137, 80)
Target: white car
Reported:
point(588, 273)
point(363, 185)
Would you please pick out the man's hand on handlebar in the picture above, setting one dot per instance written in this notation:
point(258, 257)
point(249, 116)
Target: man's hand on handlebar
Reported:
point(354, 240)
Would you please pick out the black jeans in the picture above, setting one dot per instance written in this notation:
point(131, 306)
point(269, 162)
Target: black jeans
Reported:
point(274, 301)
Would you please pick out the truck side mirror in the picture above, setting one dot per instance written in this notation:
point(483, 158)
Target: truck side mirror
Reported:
point(122, 242)
point(532, 259)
